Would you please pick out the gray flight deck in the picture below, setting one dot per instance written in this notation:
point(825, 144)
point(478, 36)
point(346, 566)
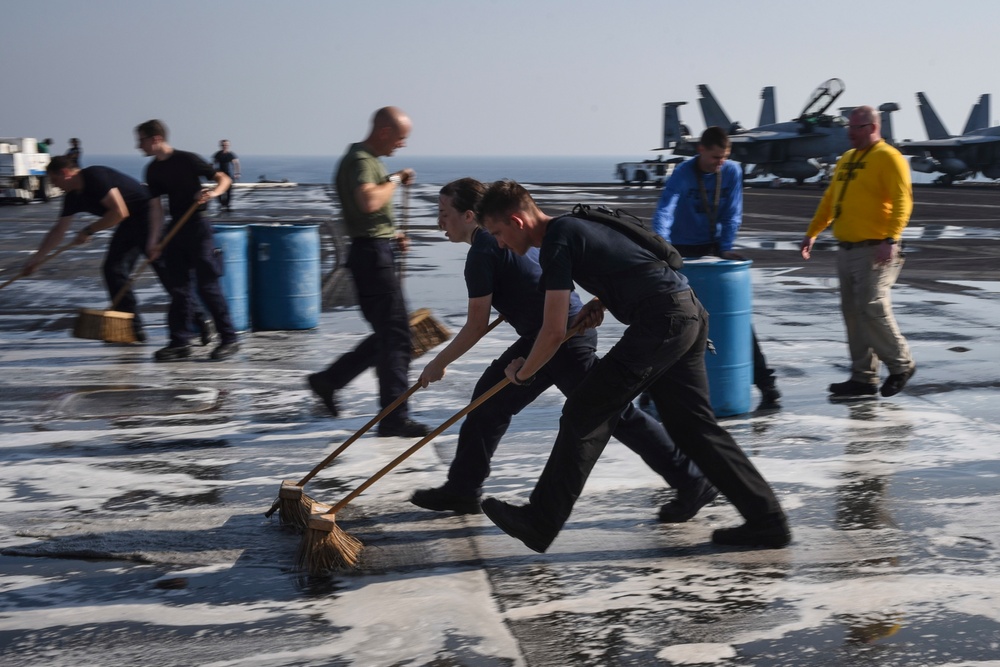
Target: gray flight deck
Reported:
point(133, 492)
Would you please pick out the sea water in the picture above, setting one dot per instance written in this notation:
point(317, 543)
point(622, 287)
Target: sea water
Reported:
point(438, 170)
point(431, 170)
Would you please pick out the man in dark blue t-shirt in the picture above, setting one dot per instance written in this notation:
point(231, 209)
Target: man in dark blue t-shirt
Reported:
point(226, 161)
point(498, 278)
point(116, 199)
point(190, 260)
point(662, 350)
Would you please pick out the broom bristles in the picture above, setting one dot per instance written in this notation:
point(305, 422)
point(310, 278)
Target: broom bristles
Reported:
point(111, 326)
point(294, 506)
point(426, 332)
point(325, 546)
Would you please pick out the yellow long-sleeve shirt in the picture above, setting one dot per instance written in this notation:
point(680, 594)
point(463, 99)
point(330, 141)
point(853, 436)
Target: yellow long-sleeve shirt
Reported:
point(878, 200)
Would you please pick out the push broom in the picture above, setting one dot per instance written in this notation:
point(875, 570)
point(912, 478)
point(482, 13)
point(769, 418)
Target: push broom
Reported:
point(325, 546)
point(293, 505)
point(115, 326)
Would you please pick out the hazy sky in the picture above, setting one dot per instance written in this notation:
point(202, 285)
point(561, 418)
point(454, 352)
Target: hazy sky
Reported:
point(504, 77)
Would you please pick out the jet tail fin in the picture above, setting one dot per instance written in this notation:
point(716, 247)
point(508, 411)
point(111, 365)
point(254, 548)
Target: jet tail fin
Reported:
point(932, 124)
point(885, 113)
point(979, 117)
point(673, 131)
point(768, 110)
point(711, 111)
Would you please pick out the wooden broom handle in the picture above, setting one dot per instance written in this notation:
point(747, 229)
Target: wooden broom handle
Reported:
point(364, 429)
point(176, 227)
point(386, 411)
point(379, 417)
point(433, 434)
point(52, 255)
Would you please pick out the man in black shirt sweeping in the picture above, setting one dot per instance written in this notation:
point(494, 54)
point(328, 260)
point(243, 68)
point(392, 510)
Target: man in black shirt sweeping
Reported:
point(662, 351)
point(118, 201)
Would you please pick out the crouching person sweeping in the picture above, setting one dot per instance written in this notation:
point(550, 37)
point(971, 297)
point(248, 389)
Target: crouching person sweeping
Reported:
point(662, 351)
point(499, 278)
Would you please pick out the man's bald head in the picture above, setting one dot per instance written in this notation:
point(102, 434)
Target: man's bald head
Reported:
point(390, 128)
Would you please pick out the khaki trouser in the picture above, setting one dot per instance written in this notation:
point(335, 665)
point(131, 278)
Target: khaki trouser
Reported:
point(872, 333)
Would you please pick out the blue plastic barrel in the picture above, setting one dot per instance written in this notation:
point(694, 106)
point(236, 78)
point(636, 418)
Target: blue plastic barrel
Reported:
point(235, 281)
point(285, 283)
point(724, 288)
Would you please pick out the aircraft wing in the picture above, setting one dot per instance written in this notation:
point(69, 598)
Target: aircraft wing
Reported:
point(953, 142)
point(754, 136)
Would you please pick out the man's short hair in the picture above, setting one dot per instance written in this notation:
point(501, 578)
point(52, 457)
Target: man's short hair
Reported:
point(714, 137)
point(152, 128)
point(60, 162)
point(465, 194)
point(503, 198)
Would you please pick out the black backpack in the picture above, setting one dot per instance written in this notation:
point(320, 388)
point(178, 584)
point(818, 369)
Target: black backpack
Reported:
point(634, 228)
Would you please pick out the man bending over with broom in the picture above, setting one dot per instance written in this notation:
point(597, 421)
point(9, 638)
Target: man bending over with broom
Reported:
point(190, 260)
point(498, 278)
point(117, 200)
point(365, 191)
point(662, 350)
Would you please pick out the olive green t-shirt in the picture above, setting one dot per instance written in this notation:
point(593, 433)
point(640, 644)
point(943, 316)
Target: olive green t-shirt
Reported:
point(359, 166)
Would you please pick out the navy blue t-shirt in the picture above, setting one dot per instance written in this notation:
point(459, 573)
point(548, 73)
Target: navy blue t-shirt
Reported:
point(178, 177)
point(513, 280)
point(606, 263)
point(97, 183)
point(224, 160)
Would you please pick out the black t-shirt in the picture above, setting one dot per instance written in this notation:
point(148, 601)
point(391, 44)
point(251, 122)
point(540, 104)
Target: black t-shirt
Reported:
point(512, 280)
point(606, 263)
point(97, 183)
point(224, 160)
point(178, 177)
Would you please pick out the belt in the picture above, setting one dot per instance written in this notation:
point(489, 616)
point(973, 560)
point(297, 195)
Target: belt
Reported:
point(848, 245)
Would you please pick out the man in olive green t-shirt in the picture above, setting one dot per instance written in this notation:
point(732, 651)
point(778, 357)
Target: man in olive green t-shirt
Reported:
point(366, 192)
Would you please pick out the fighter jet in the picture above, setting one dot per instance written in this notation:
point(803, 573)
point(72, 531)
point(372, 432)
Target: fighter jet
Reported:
point(955, 158)
point(796, 149)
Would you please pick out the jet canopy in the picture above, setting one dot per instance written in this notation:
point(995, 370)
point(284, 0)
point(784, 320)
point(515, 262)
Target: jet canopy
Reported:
point(822, 99)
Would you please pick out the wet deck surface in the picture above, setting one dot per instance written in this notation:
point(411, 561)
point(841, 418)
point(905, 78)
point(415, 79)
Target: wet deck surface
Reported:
point(133, 491)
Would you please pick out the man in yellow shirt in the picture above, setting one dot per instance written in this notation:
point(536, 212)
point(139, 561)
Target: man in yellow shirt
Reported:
point(868, 202)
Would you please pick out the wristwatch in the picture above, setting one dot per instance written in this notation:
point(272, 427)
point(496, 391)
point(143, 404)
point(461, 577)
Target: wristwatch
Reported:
point(890, 241)
point(395, 179)
point(523, 383)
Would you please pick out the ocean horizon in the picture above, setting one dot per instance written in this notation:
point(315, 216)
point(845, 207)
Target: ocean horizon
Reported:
point(431, 169)
point(436, 170)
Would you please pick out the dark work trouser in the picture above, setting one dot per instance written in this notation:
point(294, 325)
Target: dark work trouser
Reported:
point(191, 256)
point(373, 265)
point(483, 428)
point(663, 353)
point(127, 244)
point(226, 196)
